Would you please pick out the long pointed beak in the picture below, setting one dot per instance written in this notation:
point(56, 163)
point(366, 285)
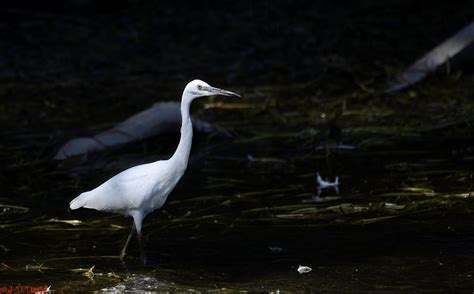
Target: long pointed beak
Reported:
point(217, 91)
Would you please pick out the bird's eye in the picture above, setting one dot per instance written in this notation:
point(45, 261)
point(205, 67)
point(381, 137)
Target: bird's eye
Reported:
point(199, 87)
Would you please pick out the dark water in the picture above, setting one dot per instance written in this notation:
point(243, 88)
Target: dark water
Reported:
point(402, 221)
point(247, 212)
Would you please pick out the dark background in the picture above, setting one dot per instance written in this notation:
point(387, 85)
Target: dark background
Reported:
point(248, 42)
point(57, 57)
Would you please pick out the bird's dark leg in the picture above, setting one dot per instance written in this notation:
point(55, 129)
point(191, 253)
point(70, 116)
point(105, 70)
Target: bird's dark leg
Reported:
point(142, 251)
point(138, 218)
point(124, 250)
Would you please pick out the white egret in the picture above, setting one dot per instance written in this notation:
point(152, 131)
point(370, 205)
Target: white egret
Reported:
point(144, 188)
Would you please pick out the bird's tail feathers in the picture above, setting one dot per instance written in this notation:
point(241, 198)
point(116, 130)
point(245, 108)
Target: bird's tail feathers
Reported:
point(78, 202)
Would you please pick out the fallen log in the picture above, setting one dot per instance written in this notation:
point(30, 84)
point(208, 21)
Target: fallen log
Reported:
point(161, 118)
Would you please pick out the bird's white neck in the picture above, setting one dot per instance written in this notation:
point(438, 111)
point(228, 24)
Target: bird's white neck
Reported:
point(181, 155)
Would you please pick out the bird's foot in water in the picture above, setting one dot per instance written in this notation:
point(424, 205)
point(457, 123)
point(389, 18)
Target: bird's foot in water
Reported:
point(143, 259)
point(122, 256)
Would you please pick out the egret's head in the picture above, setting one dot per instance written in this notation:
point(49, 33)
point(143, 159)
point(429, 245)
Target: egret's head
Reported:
point(198, 88)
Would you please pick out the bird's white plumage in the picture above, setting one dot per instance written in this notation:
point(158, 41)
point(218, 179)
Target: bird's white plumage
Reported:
point(141, 189)
point(147, 183)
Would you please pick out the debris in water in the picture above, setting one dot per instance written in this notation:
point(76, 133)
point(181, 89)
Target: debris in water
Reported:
point(275, 248)
point(5, 266)
point(325, 184)
point(90, 273)
point(322, 184)
point(302, 269)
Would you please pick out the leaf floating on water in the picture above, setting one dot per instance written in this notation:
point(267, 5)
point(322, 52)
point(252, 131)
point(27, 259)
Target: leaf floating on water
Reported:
point(373, 220)
point(118, 227)
point(308, 210)
point(73, 222)
point(347, 208)
point(461, 195)
point(12, 209)
point(79, 270)
point(465, 195)
point(418, 189)
point(276, 208)
point(226, 203)
point(393, 206)
point(39, 267)
point(210, 216)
